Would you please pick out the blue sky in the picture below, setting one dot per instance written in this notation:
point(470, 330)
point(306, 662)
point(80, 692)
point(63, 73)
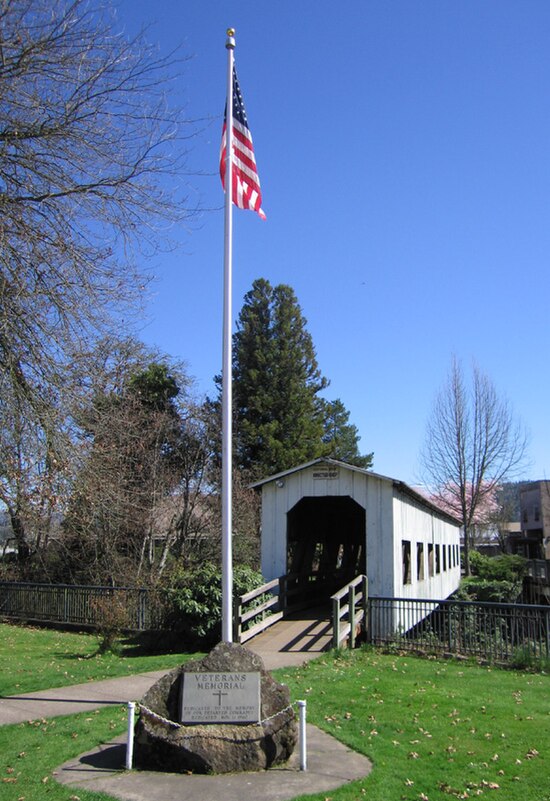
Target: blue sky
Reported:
point(403, 148)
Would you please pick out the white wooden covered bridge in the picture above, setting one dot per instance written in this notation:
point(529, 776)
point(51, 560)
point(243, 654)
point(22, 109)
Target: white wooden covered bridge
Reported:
point(327, 523)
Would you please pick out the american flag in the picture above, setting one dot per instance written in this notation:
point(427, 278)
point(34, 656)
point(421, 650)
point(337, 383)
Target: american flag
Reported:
point(246, 184)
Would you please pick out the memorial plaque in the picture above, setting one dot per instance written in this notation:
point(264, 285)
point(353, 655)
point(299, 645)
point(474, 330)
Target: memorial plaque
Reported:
point(220, 698)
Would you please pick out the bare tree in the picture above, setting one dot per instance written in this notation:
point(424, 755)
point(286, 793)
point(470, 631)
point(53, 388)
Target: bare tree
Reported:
point(472, 445)
point(129, 463)
point(87, 140)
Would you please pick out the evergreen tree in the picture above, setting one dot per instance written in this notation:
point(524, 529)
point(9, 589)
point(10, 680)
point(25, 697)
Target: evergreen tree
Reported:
point(341, 437)
point(278, 415)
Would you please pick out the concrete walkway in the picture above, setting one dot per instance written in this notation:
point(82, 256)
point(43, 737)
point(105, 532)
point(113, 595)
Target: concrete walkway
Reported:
point(288, 643)
point(76, 698)
point(329, 765)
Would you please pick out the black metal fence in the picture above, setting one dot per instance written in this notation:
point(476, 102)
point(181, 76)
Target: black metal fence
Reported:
point(492, 631)
point(137, 609)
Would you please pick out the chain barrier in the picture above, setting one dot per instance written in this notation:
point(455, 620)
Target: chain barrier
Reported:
point(144, 710)
point(172, 724)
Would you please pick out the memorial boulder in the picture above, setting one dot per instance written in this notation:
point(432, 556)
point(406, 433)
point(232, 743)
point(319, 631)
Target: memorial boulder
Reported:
point(221, 714)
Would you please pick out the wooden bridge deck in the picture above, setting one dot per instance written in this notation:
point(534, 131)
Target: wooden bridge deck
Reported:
point(294, 640)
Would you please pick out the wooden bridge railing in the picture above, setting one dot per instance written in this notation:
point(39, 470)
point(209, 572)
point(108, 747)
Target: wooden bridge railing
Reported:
point(264, 605)
point(349, 612)
point(257, 610)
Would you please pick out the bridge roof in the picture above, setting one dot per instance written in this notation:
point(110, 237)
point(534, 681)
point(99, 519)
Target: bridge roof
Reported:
point(400, 485)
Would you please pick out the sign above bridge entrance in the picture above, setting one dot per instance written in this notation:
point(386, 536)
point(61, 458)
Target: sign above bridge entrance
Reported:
point(325, 472)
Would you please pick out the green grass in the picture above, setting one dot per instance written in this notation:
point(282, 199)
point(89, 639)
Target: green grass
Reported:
point(434, 730)
point(40, 659)
point(31, 752)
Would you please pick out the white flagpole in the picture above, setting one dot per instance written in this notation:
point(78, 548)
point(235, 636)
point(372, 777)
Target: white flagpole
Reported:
point(227, 367)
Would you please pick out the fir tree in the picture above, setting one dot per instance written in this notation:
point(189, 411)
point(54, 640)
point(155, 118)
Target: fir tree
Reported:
point(341, 437)
point(278, 417)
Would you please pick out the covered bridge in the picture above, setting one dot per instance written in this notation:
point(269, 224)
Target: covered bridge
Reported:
point(332, 521)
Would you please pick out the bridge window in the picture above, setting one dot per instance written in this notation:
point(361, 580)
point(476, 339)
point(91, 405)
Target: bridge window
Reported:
point(430, 560)
point(437, 559)
point(420, 561)
point(406, 556)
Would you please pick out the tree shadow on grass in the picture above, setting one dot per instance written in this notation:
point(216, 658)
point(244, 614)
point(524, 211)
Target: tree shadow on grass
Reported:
point(135, 645)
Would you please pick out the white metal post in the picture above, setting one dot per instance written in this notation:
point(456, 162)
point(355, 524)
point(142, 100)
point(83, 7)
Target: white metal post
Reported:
point(130, 739)
point(227, 393)
point(303, 738)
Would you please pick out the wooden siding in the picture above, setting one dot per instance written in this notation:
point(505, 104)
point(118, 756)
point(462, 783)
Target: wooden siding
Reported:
point(391, 516)
point(417, 525)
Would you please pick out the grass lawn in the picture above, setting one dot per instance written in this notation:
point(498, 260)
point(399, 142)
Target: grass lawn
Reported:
point(30, 753)
point(40, 659)
point(434, 730)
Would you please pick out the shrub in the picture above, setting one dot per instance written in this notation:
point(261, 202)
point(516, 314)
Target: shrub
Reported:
point(495, 578)
point(111, 614)
point(526, 659)
point(196, 596)
point(479, 589)
point(506, 567)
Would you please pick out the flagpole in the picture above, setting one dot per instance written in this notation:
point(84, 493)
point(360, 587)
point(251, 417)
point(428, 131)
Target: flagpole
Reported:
point(227, 367)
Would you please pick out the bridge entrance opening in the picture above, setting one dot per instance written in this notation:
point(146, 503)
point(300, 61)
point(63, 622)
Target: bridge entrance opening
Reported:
point(326, 541)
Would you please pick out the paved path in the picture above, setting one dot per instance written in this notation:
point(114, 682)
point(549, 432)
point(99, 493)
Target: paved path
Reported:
point(76, 698)
point(330, 764)
point(288, 643)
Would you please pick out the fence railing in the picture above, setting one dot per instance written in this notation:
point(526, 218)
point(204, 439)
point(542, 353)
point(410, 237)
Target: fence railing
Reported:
point(258, 609)
point(255, 611)
point(138, 609)
point(349, 612)
point(491, 631)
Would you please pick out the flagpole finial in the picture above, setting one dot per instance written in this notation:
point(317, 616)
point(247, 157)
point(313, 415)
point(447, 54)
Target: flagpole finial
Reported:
point(230, 44)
